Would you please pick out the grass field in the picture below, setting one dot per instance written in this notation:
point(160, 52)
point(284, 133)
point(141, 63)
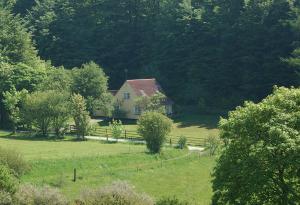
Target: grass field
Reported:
point(52, 162)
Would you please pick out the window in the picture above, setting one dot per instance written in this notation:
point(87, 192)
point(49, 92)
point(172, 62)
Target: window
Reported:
point(126, 96)
point(137, 110)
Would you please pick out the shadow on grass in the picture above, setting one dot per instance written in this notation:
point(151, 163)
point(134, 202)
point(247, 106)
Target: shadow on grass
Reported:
point(205, 121)
point(105, 122)
point(28, 136)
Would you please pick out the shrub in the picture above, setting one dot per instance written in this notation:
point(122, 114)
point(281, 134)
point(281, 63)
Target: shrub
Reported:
point(116, 128)
point(119, 193)
point(170, 201)
point(7, 180)
point(182, 142)
point(29, 194)
point(14, 161)
point(5, 198)
point(154, 127)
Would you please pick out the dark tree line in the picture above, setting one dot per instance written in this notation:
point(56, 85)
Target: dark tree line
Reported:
point(207, 53)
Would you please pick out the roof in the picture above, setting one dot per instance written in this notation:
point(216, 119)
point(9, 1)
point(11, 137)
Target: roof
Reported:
point(145, 87)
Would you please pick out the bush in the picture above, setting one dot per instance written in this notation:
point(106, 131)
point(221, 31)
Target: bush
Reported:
point(182, 142)
point(29, 194)
point(116, 128)
point(7, 181)
point(14, 161)
point(119, 193)
point(170, 201)
point(5, 198)
point(154, 127)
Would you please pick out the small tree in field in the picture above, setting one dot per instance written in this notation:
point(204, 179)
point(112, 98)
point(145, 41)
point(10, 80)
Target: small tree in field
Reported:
point(212, 142)
point(154, 127)
point(116, 128)
point(80, 115)
point(260, 160)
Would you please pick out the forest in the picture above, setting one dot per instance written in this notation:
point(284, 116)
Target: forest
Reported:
point(207, 54)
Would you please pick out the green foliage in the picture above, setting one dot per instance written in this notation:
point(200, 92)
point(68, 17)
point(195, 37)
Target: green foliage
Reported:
point(170, 201)
point(15, 42)
point(80, 115)
point(91, 82)
point(19, 65)
point(8, 183)
point(46, 110)
point(260, 161)
point(155, 103)
point(12, 100)
point(182, 142)
point(116, 128)
point(57, 79)
point(14, 161)
point(60, 112)
point(154, 127)
point(218, 53)
point(119, 193)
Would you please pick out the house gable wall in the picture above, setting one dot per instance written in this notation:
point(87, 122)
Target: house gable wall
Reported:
point(127, 105)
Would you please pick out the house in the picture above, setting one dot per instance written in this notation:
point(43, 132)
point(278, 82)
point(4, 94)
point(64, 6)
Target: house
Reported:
point(126, 97)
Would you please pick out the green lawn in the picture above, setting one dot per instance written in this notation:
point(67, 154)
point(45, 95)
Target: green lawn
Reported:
point(38, 149)
point(97, 164)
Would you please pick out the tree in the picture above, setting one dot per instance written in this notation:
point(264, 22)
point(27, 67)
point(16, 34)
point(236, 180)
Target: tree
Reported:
point(91, 82)
point(19, 65)
point(260, 160)
point(212, 142)
point(46, 110)
point(155, 103)
point(37, 111)
point(60, 112)
point(154, 127)
point(80, 115)
point(57, 79)
point(11, 102)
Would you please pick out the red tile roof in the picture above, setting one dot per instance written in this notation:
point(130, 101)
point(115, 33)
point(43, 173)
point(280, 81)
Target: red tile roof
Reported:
point(145, 87)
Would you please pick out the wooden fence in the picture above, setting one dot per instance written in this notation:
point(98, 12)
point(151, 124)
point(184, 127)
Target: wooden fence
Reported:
point(133, 135)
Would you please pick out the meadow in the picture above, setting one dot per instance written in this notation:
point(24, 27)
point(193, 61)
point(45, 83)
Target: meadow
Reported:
point(174, 172)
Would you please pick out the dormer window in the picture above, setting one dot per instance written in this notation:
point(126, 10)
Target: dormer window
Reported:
point(126, 96)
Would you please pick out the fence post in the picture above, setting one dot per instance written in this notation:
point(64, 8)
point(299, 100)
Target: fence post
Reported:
point(106, 134)
point(170, 141)
point(74, 177)
point(125, 134)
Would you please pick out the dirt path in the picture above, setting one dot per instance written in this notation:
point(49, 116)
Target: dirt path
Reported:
point(191, 148)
